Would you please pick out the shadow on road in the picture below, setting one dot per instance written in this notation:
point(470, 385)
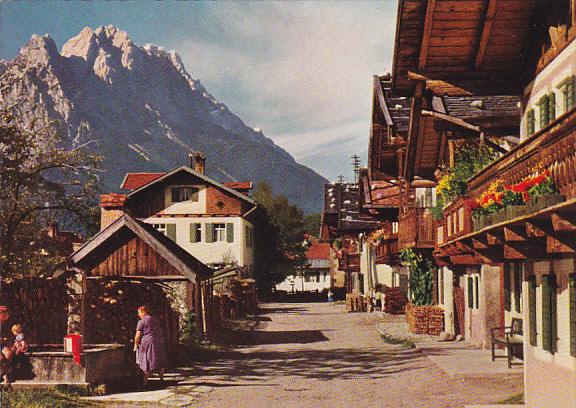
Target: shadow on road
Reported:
point(234, 367)
point(282, 337)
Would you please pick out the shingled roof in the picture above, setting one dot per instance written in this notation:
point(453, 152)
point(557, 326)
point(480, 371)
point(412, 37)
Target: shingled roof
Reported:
point(482, 107)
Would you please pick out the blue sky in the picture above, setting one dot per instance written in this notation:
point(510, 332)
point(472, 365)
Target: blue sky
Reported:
point(301, 71)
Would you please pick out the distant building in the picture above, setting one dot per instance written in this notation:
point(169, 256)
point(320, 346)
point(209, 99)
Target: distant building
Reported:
point(315, 275)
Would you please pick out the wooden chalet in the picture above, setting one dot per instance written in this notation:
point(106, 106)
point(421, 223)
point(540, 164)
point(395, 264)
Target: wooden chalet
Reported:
point(129, 249)
point(501, 72)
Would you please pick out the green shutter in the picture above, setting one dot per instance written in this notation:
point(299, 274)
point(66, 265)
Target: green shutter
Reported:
point(532, 310)
point(171, 231)
point(543, 108)
point(470, 292)
point(507, 294)
point(573, 314)
point(194, 236)
point(517, 287)
point(551, 106)
point(530, 122)
point(477, 291)
point(570, 93)
point(230, 232)
point(209, 232)
point(549, 325)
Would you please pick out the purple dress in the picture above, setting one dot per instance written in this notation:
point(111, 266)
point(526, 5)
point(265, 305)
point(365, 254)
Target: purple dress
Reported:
point(151, 354)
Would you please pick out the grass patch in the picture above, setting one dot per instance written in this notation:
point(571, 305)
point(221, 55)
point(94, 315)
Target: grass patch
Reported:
point(515, 399)
point(405, 343)
point(57, 397)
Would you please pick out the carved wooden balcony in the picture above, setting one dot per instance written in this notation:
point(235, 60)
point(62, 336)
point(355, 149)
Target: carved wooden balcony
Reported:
point(350, 262)
point(538, 233)
point(457, 221)
point(416, 229)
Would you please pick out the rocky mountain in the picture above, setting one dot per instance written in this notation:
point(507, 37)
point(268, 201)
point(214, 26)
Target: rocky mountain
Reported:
point(140, 109)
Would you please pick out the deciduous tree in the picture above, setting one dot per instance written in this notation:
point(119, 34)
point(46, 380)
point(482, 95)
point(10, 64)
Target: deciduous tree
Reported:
point(39, 179)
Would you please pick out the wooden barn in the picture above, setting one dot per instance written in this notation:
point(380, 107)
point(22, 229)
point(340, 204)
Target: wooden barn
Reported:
point(130, 263)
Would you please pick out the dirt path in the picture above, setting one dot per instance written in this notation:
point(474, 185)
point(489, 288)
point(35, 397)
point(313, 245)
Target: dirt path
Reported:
point(317, 355)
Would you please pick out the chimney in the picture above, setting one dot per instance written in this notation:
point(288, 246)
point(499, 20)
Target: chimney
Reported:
point(53, 230)
point(198, 162)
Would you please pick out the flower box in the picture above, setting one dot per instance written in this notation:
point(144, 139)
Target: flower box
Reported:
point(499, 216)
point(544, 201)
point(515, 211)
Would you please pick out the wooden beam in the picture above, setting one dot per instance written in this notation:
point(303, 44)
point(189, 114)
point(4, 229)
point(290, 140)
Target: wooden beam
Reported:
point(525, 250)
point(563, 222)
point(514, 234)
point(494, 238)
point(451, 119)
point(479, 243)
point(560, 244)
point(486, 32)
point(534, 230)
point(427, 32)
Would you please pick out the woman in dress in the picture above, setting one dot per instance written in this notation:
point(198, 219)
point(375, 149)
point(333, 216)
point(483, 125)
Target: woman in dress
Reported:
point(149, 345)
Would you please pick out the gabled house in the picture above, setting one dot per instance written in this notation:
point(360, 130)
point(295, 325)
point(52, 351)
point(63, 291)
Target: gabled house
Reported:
point(212, 221)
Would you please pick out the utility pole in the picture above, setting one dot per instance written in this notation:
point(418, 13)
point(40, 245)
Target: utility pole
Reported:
point(356, 164)
point(340, 179)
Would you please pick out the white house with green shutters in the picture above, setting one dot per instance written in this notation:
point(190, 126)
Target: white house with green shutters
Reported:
point(212, 221)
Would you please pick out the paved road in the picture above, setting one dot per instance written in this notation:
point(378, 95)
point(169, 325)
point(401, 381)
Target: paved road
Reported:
point(317, 355)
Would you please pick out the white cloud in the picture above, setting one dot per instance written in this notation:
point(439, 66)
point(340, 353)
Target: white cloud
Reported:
point(300, 71)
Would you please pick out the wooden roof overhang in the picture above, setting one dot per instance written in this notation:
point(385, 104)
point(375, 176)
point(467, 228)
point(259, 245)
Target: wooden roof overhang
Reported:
point(546, 234)
point(438, 118)
point(387, 133)
point(124, 228)
point(471, 42)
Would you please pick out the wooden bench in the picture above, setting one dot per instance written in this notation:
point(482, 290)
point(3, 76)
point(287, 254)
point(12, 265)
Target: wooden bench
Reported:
point(511, 339)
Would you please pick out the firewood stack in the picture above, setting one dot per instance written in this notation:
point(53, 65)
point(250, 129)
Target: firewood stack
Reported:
point(111, 310)
point(425, 319)
point(395, 301)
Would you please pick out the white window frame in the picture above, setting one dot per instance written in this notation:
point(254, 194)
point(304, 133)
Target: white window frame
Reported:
point(220, 232)
point(160, 228)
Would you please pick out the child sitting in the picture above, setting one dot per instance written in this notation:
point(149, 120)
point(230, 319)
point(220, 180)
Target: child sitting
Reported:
point(20, 345)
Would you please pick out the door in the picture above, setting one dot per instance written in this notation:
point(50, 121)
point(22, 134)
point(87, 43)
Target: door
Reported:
point(459, 310)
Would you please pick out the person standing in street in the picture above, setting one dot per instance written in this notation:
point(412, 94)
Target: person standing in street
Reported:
point(149, 345)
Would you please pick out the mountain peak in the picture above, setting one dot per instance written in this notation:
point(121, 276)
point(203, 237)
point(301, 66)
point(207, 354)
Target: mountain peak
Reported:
point(41, 49)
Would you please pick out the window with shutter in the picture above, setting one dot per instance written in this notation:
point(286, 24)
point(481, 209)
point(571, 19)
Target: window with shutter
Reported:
point(230, 232)
point(517, 287)
point(507, 292)
point(549, 319)
point(210, 233)
point(470, 292)
point(543, 110)
point(195, 232)
point(477, 291)
point(551, 107)
point(572, 288)
point(532, 310)
point(530, 122)
point(171, 231)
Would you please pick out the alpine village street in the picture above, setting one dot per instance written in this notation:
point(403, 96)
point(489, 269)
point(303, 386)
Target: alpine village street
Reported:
point(155, 251)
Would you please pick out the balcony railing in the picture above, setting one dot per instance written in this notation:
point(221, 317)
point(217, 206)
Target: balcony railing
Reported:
point(457, 221)
point(552, 148)
point(350, 262)
point(416, 229)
